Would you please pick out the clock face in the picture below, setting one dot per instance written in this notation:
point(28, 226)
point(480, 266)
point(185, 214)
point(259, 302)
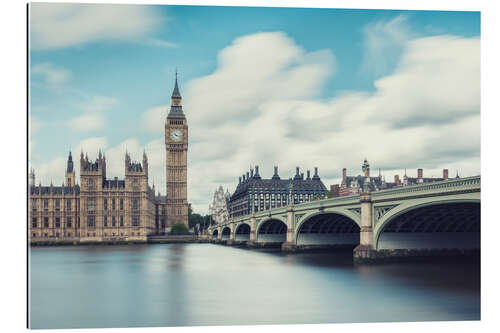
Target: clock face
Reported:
point(176, 135)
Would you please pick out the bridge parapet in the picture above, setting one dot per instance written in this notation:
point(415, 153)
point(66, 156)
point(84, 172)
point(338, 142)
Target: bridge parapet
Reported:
point(455, 185)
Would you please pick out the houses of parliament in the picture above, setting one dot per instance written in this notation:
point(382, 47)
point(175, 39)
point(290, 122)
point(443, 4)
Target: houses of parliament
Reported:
point(101, 209)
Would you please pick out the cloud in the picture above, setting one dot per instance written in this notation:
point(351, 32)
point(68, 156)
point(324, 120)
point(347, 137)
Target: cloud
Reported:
point(57, 25)
point(153, 118)
point(53, 77)
point(383, 43)
point(266, 110)
point(92, 117)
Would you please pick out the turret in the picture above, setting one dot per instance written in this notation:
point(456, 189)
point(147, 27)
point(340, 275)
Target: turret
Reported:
point(32, 177)
point(70, 171)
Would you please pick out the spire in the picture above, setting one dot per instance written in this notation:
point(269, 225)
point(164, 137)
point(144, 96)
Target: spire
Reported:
point(176, 93)
point(69, 166)
point(176, 104)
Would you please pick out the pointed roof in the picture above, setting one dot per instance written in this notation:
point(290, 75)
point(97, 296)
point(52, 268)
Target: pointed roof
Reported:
point(69, 166)
point(176, 93)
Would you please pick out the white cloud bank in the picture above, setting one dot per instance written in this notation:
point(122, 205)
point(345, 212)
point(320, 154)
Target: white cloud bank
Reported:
point(58, 25)
point(260, 106)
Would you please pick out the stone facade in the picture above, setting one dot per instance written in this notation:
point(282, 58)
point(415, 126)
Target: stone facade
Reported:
point(113, 210)
point(254, 194)
point(218, 209)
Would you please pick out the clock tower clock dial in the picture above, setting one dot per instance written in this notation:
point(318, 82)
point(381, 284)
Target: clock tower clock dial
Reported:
point(176, 144)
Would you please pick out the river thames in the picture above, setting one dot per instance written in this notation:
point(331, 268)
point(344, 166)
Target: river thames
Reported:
point(207, 284)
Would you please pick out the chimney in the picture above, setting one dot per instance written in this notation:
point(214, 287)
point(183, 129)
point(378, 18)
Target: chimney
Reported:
point(302, 176)
point(420, 173)
point(445, 174)
point(308, 174)
point(396, 180)
point(344, 175)
point(275, 176)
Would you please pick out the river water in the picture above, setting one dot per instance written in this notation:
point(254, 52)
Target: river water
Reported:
point(208, 284)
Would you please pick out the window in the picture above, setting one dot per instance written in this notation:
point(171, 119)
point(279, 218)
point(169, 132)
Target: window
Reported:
point(105, 204)
point(45, 205)
point(69, 234)
point(34, 234)
point(33, 205)
point(91, 221)
point(113, 204)
point(91, 183)
point(58, 206)
point(68, 205)
point(45, 234)
point(58, 222)
point(91, 205)
point(57, 234)
point(113, 223)
point(45, 222)
point(121, 204)
point(121, 221)
point(135, 204)
point(135, 221)
point(78, 222)
point(105, 223)
point(68, 221)
point(34, 223)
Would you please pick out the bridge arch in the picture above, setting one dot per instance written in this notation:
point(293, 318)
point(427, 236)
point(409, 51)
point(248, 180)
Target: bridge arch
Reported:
point(331, 227)
point(242, 232)
point(271, 230)
point(423, 224)
point(226, 233)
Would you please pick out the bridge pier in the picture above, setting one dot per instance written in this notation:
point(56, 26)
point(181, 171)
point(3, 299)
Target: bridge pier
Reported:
point(230, 241)
point(289, 245)
point(365, 251)
point(253, 231)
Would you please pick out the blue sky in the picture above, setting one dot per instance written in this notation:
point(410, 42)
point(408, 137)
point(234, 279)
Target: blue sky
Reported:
point(265, 86)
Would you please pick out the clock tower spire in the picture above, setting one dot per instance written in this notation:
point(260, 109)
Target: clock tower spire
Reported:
point(176, 143)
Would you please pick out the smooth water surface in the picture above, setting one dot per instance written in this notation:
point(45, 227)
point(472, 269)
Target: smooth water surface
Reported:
point(207, 284)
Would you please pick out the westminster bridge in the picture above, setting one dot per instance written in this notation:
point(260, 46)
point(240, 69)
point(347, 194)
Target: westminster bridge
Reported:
point(438, 217)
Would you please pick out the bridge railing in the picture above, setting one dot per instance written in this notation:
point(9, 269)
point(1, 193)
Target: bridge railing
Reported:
point(453, 185)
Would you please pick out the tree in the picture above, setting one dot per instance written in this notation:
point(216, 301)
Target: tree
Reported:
point(195, 219)
point(179, 228)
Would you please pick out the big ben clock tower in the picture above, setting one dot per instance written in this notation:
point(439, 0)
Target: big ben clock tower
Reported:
point(176, 143)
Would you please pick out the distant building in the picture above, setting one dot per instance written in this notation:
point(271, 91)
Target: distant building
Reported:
point(218, 209)
point(256, 194)
point(355, 184)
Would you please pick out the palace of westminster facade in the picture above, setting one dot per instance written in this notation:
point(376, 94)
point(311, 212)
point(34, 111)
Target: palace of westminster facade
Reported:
point(102, 210)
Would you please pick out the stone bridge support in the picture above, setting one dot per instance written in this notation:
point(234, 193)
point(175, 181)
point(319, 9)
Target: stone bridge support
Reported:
point(253, 230)
point(219, 234)
point(232, 231)
point(365, 249)
point(289, 245)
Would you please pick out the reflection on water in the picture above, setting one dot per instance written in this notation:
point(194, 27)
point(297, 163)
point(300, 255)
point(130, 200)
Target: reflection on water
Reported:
point(206, 284)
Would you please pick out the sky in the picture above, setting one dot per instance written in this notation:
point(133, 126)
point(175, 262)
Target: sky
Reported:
point(261, 86)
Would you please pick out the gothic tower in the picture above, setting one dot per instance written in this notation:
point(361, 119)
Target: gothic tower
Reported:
point(176, 143)
point(70, 172)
